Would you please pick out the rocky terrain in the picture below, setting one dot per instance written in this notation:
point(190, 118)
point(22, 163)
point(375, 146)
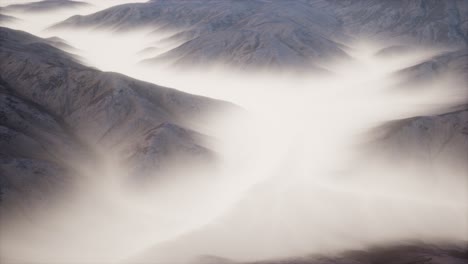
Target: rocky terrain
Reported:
point(55, 111)
point(422, 22)
point(257, 33)
point(254, 33)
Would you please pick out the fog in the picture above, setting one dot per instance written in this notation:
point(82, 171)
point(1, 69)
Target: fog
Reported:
point(294, 177)
point(35, 22)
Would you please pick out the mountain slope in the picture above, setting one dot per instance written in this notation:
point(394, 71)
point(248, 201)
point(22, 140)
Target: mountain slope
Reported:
point(453, 62)
point(34, 147)
point(54, 108)
point(277, 33)
point(424, 22)
point(433, 139)
point(234, 32)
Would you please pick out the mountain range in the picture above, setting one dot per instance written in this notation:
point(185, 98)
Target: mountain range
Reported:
point(282, 34)
point(56, 113)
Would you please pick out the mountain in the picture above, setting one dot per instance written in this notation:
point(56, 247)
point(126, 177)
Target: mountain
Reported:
point(55, 112)
point(61, 44)
point(278, 33)
point(258, 33)
point(453, 62)
point(437, 144)
point(433, 138)
point(425, 22)
point(442, 136)
point(45, 5)
point(34, 143)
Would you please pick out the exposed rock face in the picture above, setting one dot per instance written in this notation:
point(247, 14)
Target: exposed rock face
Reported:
point(45, 5)
point(53, 109)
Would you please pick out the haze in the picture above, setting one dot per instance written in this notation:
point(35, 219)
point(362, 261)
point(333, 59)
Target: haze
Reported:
point(294, 167)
